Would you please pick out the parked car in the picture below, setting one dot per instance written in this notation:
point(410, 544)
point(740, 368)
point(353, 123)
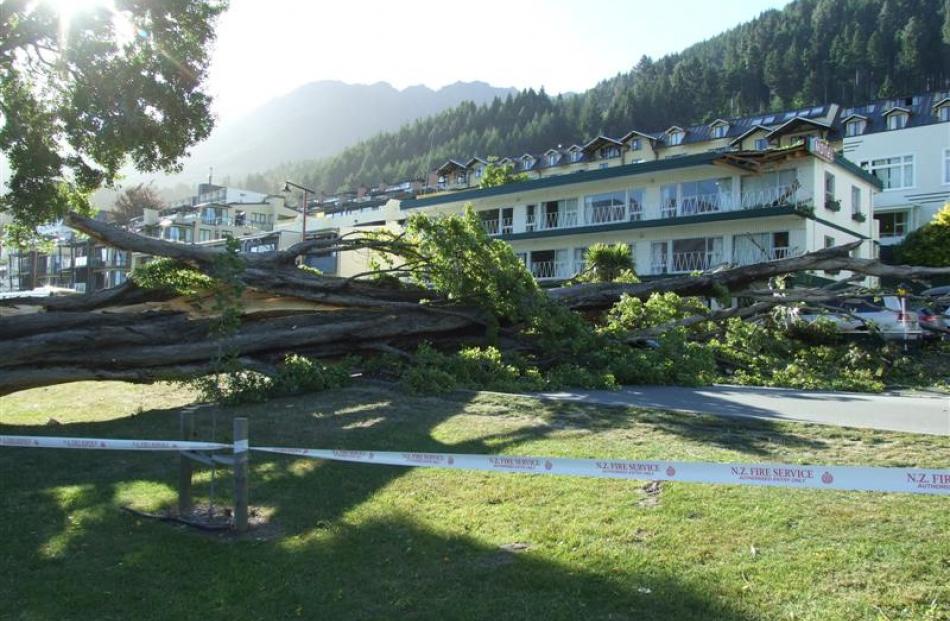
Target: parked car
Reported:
point(933, 324)
point(887, 317)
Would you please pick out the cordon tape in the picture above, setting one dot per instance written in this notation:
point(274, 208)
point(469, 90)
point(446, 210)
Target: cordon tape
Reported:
point(854, 478)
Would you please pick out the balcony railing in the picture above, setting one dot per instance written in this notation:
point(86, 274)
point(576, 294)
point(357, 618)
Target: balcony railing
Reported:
point(695, 261)
point(764, 255)
point(605, 214)
point(549, 269)
point(552, 220)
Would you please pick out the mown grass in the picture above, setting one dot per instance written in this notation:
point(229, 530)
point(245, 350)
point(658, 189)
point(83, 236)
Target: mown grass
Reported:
point(365, 542)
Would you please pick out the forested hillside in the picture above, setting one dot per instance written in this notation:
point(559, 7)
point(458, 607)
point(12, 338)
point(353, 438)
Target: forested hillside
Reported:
point(811, 51)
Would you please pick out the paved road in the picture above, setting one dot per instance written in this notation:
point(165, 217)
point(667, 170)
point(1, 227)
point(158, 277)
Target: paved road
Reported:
point(928, 414)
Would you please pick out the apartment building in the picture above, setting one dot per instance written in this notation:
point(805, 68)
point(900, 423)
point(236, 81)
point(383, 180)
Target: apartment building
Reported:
point(683, 214)
point(905, 142)
point(215, 212)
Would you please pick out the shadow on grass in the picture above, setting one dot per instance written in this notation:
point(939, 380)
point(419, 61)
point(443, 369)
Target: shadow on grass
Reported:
point(71, 554)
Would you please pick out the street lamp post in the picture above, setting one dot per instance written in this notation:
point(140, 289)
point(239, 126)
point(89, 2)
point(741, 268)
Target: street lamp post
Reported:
point(305, 190)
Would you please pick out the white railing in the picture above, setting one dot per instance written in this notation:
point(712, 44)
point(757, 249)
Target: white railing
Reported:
point(507, 225)
point(695, 261)
point(657, 267)
point(762, 255)
point(780, 196)
point(490, 225)
point(552, 220)
point(605, 214)
point(549, 269)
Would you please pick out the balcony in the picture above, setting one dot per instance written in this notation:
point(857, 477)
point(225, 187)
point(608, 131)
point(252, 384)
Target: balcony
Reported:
point(550, 270)
point(552, 220)
point(783, 196)
point(494, 226)
point(764, 255)
point(696, 261)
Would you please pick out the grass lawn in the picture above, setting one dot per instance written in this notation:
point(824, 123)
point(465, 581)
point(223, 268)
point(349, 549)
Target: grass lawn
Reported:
point(351, 541)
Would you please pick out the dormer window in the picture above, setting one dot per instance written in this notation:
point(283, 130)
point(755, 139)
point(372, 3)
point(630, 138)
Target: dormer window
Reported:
point(675, 136)
point(635, 144)
point(897, 120)
point(553, 157)
point(761, 144)
point(855, 127)
point(943, 112)
point(478, 171)
point(576, 156)
point(720, 129)
point(527, 162)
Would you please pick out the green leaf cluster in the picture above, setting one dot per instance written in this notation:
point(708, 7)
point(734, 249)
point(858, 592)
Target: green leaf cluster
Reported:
point(928, 245)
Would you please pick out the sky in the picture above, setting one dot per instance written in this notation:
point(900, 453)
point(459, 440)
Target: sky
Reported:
point(269, 48)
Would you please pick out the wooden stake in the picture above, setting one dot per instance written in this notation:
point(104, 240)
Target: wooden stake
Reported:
point(185, 465)
point(240, 474)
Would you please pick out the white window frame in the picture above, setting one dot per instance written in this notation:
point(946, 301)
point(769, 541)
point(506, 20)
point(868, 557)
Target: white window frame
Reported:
point(720, 130)
point(676, 138)
point(913, 163)
point(854, 127)
point(898, 124)
point(763, 141)
point(943, 113)
point(945, 173)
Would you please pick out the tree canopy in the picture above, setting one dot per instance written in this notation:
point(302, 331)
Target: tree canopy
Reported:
point(930, 244)
point(496, 174)
point(85, 92)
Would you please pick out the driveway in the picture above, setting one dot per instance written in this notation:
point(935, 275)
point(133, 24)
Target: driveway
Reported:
point(929, 414)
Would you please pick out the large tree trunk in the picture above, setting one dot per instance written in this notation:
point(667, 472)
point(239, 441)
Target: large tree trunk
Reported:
point(141, 335)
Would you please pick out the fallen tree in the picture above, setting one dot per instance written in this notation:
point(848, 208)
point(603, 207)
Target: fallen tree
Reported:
point(448, 285)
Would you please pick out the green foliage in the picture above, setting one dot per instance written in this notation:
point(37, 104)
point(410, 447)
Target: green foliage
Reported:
point(496, 174)
point(112, 101)
point(228, 288)
point(610, 263)
point(172, 276)
point(433, 372)
point(928, 245)
point(295, 375)
point(464, 264)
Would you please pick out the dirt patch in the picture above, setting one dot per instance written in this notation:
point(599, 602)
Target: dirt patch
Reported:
point(219, 522)
point(651, 496)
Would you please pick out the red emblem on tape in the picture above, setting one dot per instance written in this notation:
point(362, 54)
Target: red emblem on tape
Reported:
point(548, 465)
point(102, 444)
point(370, 456)
point(826, 478)
point(451, 460)
point(670, 471)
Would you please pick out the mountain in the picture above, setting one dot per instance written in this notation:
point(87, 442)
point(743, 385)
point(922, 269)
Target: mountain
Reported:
point(320, 119)
point(809, 52)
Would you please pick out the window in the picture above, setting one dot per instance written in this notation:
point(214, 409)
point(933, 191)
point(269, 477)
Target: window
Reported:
point(462, 178)
point(774, 189)
point(609, 152)
point(829, 241)
point(897, 120)
point(943, 113)
point(894, 172)
point(761, 144)
point(580, 260)
point(696, 254)
point(855, 200)
point(635, 144)
point(659, 263)
point(668, 201)
point(854, 127)
point(204, 235)
point(720, 131)
point(553, 158)
point(527, 163)
point(604, 208)
point(676, 137)
point(705, 196)
point(603, 165)
point(830, 201)
point(892, 224)
point(946, 162)
point(635, 204)
point(478, 171)
point(575, 156)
